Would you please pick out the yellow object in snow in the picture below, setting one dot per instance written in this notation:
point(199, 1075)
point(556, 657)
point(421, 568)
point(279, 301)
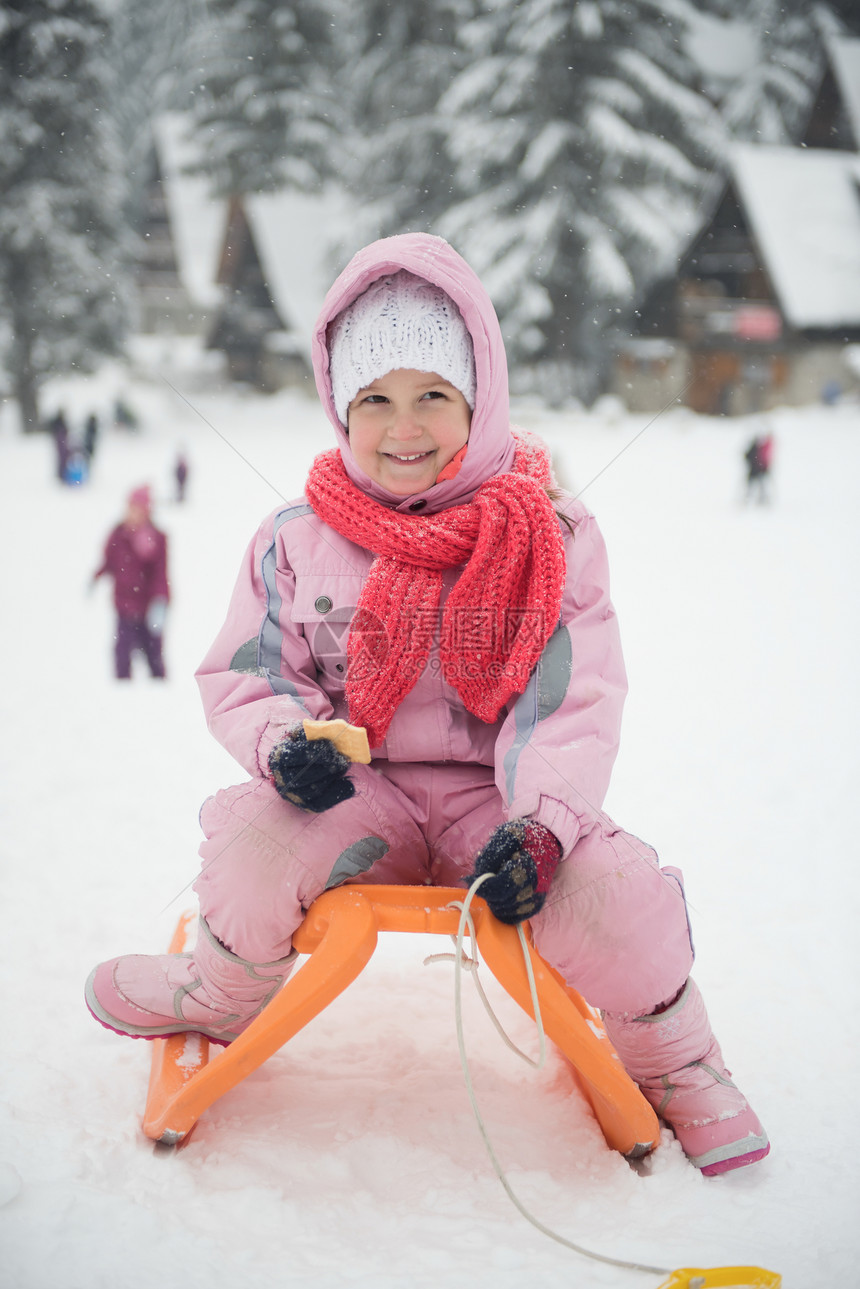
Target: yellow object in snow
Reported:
point(723, 1278)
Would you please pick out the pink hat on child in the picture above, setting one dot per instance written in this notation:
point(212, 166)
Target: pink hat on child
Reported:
point(141, 497)
point(400, 321)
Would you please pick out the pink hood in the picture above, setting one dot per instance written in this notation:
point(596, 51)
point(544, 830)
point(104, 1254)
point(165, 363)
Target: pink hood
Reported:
point(491, 445)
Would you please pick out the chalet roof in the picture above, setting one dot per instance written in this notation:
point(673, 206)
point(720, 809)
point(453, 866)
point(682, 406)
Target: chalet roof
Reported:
point(844, 54)
point(197, 219)
point(803, 207)
point(292, 233)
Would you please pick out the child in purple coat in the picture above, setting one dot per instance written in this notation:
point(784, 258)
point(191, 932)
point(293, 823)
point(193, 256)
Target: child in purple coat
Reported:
point(135, 557)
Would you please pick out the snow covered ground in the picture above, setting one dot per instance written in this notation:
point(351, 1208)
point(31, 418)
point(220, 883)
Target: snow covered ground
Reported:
point(353, 1158)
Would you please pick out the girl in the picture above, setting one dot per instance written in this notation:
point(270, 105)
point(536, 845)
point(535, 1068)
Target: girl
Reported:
point(135, 556)
point(425, 587)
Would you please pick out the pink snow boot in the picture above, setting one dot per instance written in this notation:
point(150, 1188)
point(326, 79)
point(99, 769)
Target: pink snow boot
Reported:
point(210, 991)
point(676, 1061)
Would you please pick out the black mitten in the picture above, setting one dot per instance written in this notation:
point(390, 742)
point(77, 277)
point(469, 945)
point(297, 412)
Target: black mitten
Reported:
point(523, 856)
point(310, 773)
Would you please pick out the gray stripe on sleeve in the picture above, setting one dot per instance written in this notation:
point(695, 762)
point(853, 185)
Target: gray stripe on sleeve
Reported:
point(543, 695)
point(554, 672)
point(525, 720)
point(271, 636)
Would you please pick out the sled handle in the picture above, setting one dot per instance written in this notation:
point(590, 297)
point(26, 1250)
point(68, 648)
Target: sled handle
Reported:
point(723, 1278)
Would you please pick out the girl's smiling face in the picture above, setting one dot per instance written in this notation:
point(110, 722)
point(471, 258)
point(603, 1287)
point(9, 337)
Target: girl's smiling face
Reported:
point(405, 427)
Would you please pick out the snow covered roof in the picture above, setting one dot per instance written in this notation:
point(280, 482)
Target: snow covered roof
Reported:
point(197, 219)
point(803, 206)
point(293, 233)
point(845, 61)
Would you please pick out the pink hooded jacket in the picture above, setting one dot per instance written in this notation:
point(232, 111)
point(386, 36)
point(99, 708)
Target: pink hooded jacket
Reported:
point(281, 654)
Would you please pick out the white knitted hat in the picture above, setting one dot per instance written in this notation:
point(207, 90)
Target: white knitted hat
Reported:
point(400, 321)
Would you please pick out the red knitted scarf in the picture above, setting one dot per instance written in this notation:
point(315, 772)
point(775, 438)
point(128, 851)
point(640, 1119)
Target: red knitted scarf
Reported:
point(498, 616)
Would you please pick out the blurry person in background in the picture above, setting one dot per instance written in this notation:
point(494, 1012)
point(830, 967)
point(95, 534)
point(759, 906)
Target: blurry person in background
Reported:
point(180, 475)
point(91, 434)
point(136, 558)
point(59, 430)
point(123, 416)
point(77, 468)
point(759, 459)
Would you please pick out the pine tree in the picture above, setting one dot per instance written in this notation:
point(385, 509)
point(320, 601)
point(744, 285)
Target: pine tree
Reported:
point(395, 64)
point(586, 154)
point(301, 93)
point(268, 103)
point(149, 62)
point(768, 102)
point(60, 298)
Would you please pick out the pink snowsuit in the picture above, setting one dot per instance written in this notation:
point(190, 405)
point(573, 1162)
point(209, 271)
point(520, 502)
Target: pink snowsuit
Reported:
point(614, 924)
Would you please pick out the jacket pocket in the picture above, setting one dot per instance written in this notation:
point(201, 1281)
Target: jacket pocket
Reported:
point(323, 606)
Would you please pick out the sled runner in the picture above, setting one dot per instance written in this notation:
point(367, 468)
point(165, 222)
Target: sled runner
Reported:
point(339, 934)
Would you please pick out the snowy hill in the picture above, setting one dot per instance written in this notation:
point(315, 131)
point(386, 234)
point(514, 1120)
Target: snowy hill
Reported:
point(353, 1157)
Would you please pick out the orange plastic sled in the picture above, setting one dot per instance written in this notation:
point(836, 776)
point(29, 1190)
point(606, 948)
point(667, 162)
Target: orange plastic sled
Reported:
point(340, 933)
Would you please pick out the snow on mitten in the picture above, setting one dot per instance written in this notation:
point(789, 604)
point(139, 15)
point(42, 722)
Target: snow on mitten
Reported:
point(523, 856)
point(310, 774)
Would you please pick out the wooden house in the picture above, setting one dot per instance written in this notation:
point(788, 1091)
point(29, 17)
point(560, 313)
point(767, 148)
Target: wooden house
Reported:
point(247, 316)
point(161, 300)
point(179, 229)
point(766, 299)
point(273, 273)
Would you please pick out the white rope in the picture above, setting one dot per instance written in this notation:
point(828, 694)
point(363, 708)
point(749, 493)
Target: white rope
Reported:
point(461, 962)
